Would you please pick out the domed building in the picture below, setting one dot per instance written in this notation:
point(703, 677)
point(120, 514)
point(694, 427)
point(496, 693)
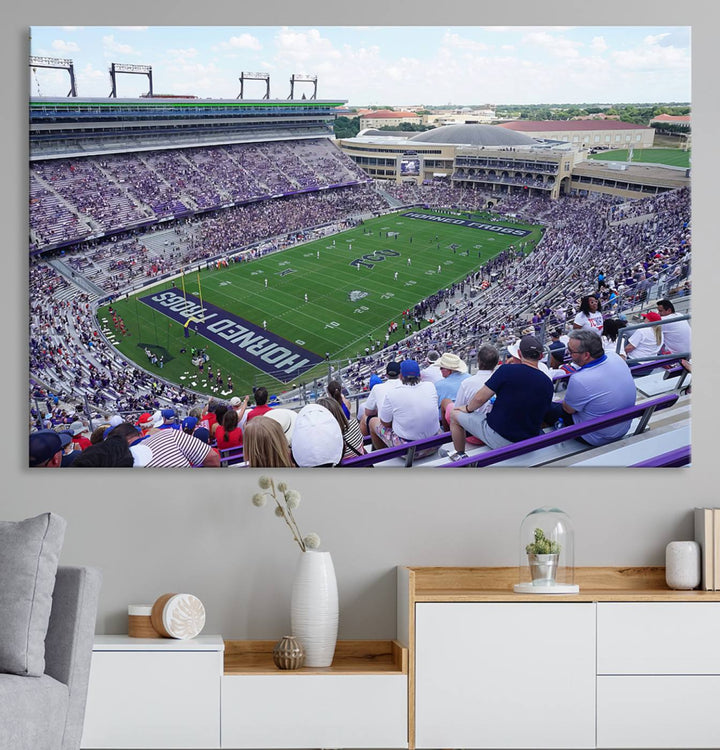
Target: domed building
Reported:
point(489, 136)
point(488, 157)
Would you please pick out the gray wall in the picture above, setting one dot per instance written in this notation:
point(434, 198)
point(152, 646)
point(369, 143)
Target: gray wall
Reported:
point(197, 532)
point(151, 535)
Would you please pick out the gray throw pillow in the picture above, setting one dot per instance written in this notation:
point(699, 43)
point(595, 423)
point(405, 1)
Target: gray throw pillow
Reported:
point(29, 553)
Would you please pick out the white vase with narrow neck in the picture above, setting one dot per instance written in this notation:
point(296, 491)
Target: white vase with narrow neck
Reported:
point(314, 607)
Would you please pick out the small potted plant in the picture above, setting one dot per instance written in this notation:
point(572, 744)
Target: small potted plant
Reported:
point(543, 555)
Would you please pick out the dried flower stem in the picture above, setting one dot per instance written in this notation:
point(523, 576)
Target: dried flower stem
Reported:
point(287, 516)
point(285, 501)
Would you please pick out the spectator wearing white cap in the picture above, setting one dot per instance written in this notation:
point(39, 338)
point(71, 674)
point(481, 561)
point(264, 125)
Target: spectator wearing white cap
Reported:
point(431, 371)
point(240, 406)
point(317, 438)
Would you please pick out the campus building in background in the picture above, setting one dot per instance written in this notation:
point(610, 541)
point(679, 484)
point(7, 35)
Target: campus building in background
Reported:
point(505, 160)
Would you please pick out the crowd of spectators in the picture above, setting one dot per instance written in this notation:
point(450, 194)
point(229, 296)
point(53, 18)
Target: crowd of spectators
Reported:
point(74, 197)
point(618, 252)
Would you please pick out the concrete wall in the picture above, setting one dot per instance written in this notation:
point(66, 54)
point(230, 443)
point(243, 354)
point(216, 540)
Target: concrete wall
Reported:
point(197, 531)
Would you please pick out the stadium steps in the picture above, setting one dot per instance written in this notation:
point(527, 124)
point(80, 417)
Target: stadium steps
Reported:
point(76, 281)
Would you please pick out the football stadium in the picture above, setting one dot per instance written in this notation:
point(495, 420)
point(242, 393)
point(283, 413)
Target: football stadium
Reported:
point(194, 259)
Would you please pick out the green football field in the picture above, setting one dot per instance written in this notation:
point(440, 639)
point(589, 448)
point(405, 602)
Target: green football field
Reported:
point(673, 157)
point(352, 295)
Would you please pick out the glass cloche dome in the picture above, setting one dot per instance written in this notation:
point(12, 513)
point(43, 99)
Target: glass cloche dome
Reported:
point(546, 553)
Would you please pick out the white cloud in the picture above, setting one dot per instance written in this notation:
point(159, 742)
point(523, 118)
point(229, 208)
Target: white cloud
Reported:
point(112, 47)
point(554, 45)
point(455, 41)
point(244, 41)
point(180, 56)
point(653, 57)
point(306, 48)
point(59, 45)
point(654, 39)
point(598, 44)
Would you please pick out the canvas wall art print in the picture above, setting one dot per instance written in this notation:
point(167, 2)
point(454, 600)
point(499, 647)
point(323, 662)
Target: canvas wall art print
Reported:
point(389, 247)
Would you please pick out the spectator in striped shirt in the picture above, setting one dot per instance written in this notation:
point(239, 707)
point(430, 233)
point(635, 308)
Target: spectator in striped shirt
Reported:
point(174, 448)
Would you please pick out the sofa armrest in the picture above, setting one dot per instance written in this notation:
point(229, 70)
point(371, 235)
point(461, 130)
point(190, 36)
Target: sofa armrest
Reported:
point(69, 641)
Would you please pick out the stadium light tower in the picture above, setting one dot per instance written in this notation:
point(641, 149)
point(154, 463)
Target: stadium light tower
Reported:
point(53, 62)
point(254, 77)
point(302, 78)
point(115, 68)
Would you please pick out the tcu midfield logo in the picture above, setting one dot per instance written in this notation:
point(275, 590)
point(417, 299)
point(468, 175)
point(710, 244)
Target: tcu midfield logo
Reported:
point(369, 260)
point(356, 294)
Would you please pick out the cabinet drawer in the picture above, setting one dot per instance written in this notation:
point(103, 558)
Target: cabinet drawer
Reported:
point(496, 675)
point(658, 638)
point(300, 711)
point(153, 700)
point(662, 711)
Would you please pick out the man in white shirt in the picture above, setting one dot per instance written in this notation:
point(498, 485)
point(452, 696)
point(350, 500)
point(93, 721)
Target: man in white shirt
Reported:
point(377, 395)
point(677, 334)
point(408, 412)
point(432, 371)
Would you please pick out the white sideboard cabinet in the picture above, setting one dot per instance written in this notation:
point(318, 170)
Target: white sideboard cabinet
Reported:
point(498, 675)
point(207, 693)
point(658, 682)
point(625, 663)
point(154, 693)
point(358, 702)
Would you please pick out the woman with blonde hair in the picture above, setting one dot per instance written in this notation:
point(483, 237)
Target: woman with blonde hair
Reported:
point(265, 445)
point(646, 342)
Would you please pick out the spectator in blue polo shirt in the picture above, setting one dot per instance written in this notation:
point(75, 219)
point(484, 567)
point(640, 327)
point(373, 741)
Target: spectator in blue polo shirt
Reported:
point(602, 385)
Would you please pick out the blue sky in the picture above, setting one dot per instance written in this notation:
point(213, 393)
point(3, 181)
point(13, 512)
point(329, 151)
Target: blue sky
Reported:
point(378, 65)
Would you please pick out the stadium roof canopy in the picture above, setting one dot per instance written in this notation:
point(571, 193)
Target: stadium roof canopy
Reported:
point(474, 135)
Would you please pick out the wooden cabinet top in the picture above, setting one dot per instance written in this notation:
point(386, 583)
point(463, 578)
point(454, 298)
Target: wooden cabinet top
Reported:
point(597, 584)
point(351, 657)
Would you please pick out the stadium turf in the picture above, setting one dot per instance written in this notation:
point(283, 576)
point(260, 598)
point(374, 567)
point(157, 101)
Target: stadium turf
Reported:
point(672, 157)
point(349, 280)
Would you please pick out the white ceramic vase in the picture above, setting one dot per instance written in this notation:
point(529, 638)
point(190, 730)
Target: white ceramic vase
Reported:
point(314, 607)
point(682, 565)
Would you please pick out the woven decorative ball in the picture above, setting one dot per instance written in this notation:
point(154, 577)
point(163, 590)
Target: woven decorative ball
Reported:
point(178, 616)
point(288, 653)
